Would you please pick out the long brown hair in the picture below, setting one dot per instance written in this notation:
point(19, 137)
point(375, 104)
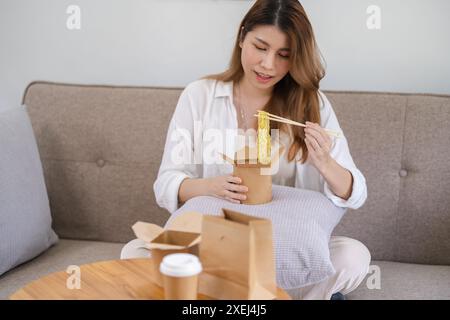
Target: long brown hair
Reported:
point(296, 95)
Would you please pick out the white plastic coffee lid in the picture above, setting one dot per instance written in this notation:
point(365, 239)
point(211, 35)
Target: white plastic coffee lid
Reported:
point(180, 265)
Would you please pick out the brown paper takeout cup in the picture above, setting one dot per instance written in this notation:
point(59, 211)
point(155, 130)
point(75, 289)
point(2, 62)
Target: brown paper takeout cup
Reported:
point(180, 276)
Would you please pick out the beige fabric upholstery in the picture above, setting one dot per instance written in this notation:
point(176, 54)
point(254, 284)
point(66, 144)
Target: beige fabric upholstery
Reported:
point(405, 281)
point(101, 148)
point(399, 143)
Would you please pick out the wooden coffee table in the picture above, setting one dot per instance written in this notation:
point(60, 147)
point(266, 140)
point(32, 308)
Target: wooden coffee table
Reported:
point(115, 279)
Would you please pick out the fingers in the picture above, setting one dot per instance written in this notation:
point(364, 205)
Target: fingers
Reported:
point(232, 200)
point(317, 137)
point(234, 184)
point(312, 142)
point(317, 134)
point(235, 195)
point(234, 190)
point(315, 128)
point(309, 144)
point(233, 179)
point(236, 187)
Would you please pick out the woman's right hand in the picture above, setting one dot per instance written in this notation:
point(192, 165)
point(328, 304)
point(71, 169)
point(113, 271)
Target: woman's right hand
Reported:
point(227, 187)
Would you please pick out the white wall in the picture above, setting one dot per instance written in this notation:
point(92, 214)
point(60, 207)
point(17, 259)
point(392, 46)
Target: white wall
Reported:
point(173, 42)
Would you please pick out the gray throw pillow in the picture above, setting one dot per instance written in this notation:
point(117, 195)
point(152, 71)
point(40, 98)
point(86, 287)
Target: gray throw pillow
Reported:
point(25, 221)
point(302, 222)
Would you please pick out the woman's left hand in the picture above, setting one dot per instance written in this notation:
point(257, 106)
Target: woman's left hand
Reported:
point(319, 144)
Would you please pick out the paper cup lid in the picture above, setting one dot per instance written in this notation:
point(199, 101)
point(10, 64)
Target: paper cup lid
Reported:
point(180, 265)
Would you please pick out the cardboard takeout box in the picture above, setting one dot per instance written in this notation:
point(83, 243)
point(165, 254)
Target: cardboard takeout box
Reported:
point(254, 174)
point(181, 236)
point(235, 249)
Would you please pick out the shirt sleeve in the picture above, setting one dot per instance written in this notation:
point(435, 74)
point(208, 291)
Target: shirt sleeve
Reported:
point(341, 153)
point(178, 160)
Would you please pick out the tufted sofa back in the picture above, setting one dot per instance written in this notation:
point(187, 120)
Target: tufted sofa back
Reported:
point(101, 148)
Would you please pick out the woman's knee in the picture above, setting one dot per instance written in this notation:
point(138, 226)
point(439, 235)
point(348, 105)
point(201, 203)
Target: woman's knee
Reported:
point(135, 249)
point(350, 256)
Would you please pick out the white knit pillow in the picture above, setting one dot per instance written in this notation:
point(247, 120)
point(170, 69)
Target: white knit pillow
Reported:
point(302, 222)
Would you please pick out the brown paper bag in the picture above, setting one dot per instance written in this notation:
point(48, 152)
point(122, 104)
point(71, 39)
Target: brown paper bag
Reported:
point(236, 252)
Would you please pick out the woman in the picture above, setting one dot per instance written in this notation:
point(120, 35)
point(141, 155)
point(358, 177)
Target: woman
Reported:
point(275, 66)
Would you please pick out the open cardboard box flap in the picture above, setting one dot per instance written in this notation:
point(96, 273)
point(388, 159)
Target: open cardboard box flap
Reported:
point(183, 232)
point(247, 157)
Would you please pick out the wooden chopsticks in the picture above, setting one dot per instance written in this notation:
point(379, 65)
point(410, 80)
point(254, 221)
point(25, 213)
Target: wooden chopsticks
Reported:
point(276, 118)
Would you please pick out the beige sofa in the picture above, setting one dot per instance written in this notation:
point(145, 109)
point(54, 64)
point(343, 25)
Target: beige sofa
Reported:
point(101, 148)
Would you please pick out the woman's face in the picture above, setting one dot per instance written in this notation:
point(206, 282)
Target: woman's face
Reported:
point(265, 50)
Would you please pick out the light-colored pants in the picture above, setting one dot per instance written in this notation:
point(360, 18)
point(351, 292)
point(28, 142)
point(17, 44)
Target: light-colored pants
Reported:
point(350, 258)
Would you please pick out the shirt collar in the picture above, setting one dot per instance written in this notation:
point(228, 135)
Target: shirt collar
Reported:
point(224, 89)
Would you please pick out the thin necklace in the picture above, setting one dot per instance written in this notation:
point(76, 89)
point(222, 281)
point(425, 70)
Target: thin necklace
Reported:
point(242, 112)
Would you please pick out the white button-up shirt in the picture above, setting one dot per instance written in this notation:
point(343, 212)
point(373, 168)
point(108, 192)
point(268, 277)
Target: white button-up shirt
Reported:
point(204, 125)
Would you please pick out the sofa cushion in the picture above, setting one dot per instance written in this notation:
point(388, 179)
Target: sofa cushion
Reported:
point(58, 258)
point(405, 281)
point(302, 223)
point(401, 281)
point(423, 221)
point(25, 221)
point(373, 124)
